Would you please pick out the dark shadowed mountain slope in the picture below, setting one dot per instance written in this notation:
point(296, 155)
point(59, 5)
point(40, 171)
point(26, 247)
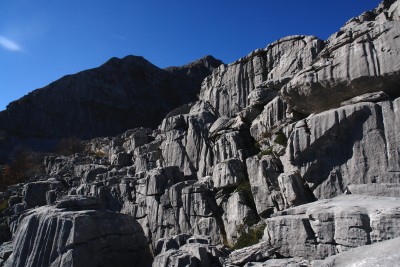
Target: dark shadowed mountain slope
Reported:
point(119, 95)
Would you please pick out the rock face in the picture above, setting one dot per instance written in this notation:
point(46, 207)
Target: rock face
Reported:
point(339, 139)
point(119, 95)
point(382, 254)
point(216, 172)
point(70, 234)
point(327, 227)
point(362, 57)
point(229, 86)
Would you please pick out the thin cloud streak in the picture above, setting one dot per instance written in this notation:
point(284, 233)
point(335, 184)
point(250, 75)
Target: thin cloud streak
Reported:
point(9, 44)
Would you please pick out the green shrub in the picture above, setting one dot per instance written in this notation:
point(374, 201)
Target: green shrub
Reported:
point(3, 205)
point(267, 134)
point(281, 139)
point(268, 151)
point(249, 238)
point(245, 188)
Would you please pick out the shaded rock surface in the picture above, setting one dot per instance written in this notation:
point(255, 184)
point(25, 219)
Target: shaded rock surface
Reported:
point(104, 101)
point(333, 149)
point(66, 236)
point(246, 155)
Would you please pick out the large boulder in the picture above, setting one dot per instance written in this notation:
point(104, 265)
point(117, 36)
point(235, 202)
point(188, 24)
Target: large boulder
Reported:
point(76, 232)
point(326, 227)
point(381, 254)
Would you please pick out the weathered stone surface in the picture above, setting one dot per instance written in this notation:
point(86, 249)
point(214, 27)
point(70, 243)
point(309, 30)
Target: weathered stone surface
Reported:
point(158, 180)
point(176, 258)
point(369, 97)
point(263, 176)
point(362, 57)
point(273, 115)
point(261, 96)
point(34, 193)
point(334, 149)
point(122, 159)
point(50, 236)
point(326, 227)
point(228, 173)
point(89, 172)
point(258, 252)
point(237, 213)
point(385, 253)
point(146, 156)
point(229, 86)
point(381, 189)
point(196, 252)
point(279, 263)
point(186, 144)
point(294, 190)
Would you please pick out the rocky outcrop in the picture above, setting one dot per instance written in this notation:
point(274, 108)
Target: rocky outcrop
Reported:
point(327, 227)
point(218, 171)
point(229, 86)
point(107, 100)
point(362, 57)
point(332, 150)
point(195, 252)
point(381, 254)
point(76, 233)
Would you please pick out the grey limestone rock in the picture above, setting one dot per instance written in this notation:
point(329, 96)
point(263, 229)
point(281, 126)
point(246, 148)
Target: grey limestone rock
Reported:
point(369, 97)
point(228, 173)
point(237, 213)
point(62, 236)
point(229, 86)
point(273, 115)
point(375, 189)
point(385, 253)
point(258, 252)
point(186, 144)
point(176, 258)
point(327, 227)
point(34, 193)
point(294, 190)
point(263, 175)
point(195, 252)
point(362, 57)
point(333, 149)
point(280, 263)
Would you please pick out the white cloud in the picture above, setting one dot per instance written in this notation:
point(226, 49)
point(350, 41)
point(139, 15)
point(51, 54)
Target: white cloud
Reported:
point(9, 44)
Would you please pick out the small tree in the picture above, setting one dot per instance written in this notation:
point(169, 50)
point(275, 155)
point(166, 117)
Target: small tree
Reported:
point(24, 165)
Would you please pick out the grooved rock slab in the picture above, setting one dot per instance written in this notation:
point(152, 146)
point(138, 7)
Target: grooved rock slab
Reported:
point(229, 86)
point(50, 236)
point(184, 140)
point(385, 253)
point(355, 144)
point(326, 227)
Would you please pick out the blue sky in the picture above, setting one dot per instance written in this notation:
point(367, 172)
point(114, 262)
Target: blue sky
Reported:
point(43, 40)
